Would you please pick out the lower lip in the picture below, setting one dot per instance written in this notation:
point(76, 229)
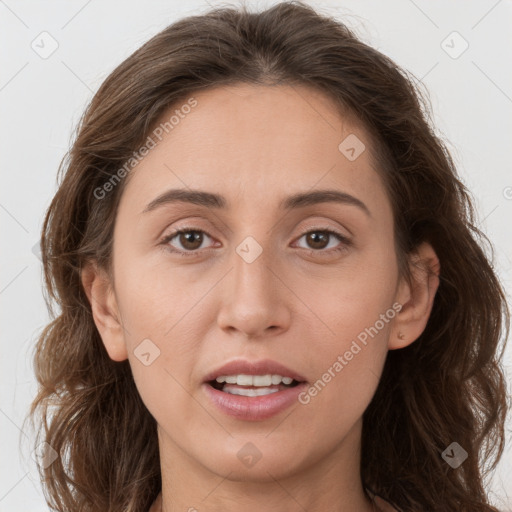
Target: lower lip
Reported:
point(254, 408)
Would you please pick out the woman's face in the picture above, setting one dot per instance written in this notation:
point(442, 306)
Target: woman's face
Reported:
point(255, 281)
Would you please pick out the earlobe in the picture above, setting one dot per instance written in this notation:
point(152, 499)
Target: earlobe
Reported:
point(416, 297)
point(105, 312)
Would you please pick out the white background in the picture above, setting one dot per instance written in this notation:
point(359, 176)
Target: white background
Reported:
point(41, 101)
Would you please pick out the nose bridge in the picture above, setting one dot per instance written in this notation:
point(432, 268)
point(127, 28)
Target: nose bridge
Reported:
point(254, 300)
point(251, 262)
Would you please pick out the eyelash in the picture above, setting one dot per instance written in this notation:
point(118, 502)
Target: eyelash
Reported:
point(345, 241)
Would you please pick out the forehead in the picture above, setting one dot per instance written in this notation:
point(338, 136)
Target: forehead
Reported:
point(256, 141)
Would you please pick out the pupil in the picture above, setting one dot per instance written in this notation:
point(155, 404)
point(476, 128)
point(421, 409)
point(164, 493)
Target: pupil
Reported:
point(315, 236)
point(317, 239)
point(193, 235)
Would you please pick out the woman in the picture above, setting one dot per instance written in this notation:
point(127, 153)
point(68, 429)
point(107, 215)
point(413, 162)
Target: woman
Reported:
point(273, 294)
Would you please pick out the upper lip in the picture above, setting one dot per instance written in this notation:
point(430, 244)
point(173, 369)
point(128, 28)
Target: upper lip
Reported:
point(260, 367)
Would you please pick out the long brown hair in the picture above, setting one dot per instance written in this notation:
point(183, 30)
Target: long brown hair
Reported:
point(448, 386)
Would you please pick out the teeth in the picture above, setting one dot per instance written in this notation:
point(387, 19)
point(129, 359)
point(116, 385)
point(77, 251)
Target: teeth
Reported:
point(244, 380)
point(254, 380)
point(249, 392)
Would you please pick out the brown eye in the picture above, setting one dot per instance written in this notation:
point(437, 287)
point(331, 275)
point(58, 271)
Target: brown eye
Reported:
point(188, 240)
point(316, 240)
point(191, 240)
point(319, 239)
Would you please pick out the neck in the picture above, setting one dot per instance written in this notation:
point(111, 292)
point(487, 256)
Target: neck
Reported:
point(330, 483)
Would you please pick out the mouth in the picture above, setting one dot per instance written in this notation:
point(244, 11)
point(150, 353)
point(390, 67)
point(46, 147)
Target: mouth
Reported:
point(253, 397)
point(253, 390)
point(253, 385)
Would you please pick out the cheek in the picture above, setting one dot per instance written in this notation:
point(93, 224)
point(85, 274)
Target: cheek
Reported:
point(351, 297)
point(347, 364)
point(342, 308)
point(157, 296)
point(160, 333)
point(354, 312)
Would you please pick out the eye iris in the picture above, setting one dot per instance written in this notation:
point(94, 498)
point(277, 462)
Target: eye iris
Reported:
point(314, 236)
point(195, 236)
point(194, 239)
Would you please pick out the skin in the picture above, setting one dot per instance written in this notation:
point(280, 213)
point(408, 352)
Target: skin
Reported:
point(256, 145)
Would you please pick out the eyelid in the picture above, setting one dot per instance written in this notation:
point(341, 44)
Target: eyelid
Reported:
point(330, 229)
point(344, 240)
point(167, 238)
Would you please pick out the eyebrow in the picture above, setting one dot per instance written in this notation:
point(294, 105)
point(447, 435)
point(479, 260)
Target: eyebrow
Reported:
point(211, 200)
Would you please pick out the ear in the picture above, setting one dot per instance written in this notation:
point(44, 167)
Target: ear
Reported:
point(99, 291)
point(416, 297)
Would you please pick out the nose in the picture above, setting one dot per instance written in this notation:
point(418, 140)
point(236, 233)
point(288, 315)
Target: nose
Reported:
point(255, 298)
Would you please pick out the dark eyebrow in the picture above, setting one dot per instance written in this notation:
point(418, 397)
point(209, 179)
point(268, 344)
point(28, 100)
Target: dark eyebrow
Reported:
point(187, 196)
point(299, 200)
point(322, 196)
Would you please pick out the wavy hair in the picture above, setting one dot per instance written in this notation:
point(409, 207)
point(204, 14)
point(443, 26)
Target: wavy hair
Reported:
point(447, 386)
